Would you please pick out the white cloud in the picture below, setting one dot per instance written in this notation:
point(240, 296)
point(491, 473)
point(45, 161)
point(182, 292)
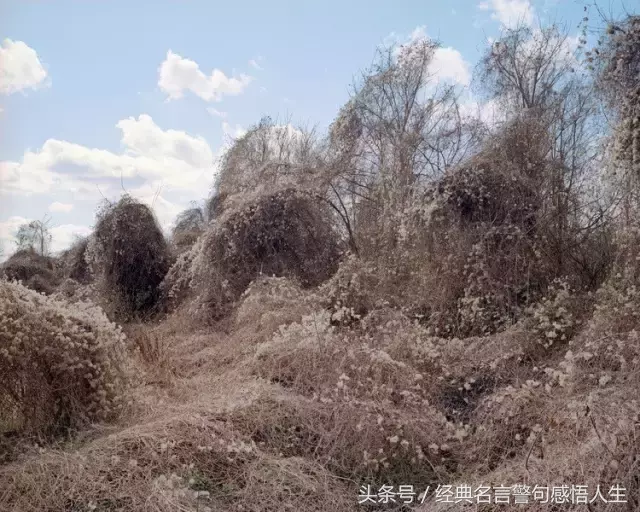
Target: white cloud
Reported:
point(61, 236)
point(8, 230)
point(178, 160)
point(232, 132)
point(255, 63)
point(64, 235)
point(509, 13)
point(20, 68)
point(156, 166)
point(177, 75)
point(60, 207)
point(447, 63)
point(217, 113)
point(488, 112)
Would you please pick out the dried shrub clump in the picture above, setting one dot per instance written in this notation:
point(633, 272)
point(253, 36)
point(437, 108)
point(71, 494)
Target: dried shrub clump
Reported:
point(189, 225)
point(34, 270)
point(130, 257)
point(270, 303)
point(74, 262)
point(285, 234)
point(63, 366)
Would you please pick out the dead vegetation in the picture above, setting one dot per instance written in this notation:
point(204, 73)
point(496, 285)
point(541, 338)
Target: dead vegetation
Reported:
point(63, 367)
point(286, 234)
point(35, 271)
point(482, 327)
point(130, 257)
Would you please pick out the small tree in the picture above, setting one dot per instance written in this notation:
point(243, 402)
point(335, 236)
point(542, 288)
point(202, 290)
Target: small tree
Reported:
point(36, 235)
point(536, 77)
point(398, 132)
point(189, 225)
point(270, 156)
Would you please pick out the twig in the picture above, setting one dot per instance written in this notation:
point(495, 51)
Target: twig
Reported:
point(599, 437)
point(526, 462)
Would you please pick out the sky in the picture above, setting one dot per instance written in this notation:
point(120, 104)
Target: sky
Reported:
point(101, 97)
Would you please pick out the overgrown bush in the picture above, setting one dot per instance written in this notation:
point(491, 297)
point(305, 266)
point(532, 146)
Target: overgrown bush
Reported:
point(189, 225)
point(40, 273)
point(286, 234)
point(62, 366)
point(74, 262)
point(269, 303)
point(130, 257)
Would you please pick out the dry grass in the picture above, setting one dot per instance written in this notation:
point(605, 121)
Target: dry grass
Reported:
point(289, 410)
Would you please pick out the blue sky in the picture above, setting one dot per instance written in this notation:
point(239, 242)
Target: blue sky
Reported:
point(148, 93)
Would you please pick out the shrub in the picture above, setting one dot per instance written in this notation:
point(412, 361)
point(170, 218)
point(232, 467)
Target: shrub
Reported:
point(74, 262)
point(268, 304)
point(189, 226)
point(286, 234)
point(130, 257)
point(34, 270)
point(63, 366)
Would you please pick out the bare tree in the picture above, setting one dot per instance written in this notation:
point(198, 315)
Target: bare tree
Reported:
point(189, 225)
point(527, 68)
point(400, 130)
point(269, 154)
point(35, 235)
point(536, 76)
point(191, 219)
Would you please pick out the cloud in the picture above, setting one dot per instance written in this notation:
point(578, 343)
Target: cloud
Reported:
point(173, 158)
point(177, 75)
point(447, 63)
point(60, 207)
point(232, 132)
point(489, 112)
point(8, 230)
point(217, 113)
point(20, 68)
point(64, 235)
point(509, 13)
point(254, 63)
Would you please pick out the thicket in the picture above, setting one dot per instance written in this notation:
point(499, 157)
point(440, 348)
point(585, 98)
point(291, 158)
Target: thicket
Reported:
point(129, 256)
point(36, 271)
point(63, 366)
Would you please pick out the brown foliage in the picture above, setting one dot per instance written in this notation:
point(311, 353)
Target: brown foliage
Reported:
point(286, 234)
point(74, 262)
point(63, 366)
point(35, 271)
point(130, 256)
